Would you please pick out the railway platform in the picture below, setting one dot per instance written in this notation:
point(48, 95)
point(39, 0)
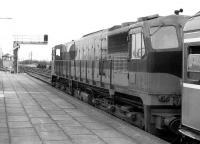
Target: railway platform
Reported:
point(32, 112)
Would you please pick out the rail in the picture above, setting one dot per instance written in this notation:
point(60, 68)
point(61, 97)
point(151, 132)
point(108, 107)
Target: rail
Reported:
point(42, 74)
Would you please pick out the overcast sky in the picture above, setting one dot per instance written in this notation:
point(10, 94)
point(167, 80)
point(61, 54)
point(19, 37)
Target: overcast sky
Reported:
point(65, 20)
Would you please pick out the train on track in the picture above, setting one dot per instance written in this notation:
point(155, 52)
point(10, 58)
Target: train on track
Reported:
point(132, 70)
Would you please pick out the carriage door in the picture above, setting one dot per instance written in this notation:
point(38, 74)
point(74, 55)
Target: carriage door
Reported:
point(137, 78)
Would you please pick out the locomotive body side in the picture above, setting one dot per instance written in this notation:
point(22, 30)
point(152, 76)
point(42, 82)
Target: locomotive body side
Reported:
point(158, 71)
point(130, 71)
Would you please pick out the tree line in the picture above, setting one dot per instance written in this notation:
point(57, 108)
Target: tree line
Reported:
point(39, 64)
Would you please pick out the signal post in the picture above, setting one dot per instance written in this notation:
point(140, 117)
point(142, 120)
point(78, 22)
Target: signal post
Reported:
point(22, 40)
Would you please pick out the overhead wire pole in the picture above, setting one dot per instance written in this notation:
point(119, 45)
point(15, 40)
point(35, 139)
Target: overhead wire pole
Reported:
point(16, 46)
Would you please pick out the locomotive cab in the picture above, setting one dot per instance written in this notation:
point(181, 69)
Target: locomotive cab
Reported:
point(191, 79)
point(155, 68)
point(155, 55)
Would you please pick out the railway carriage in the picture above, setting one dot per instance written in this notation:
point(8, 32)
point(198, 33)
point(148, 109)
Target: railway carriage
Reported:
point(130, 70)
point(191, 81)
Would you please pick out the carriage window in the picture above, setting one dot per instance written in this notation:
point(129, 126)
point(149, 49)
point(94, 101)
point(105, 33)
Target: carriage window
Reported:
point(164, 37)
point(193, 62)
point(138, 49)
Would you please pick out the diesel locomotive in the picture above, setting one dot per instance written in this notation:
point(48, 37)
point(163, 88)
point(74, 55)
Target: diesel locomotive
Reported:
point(132, 70)
point(190, 127)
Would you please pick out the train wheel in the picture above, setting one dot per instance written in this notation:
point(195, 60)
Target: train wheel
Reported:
point(53, 84)
point(90, 97)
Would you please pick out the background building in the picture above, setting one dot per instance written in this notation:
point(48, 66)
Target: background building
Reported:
point(7, 61)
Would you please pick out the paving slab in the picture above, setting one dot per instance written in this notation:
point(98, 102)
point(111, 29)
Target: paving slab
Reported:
point(68, 122)
point(3, 124)
point(3, 130)
point(41, 120)
point(118, 141)
point(22, 124)
point(16, 132)
point(4, 140)
point(85, 119)
point(53, 135)
point(96, 126)
point(18, 118)
point(33, 112)
point(26, 140)
point(47, 127)
point(37, 114)
point(77, 130)
point(56, 112)
point(74, 112)
point(60, 117)
point(87, 139)
point(108, 133)
point(58, 142)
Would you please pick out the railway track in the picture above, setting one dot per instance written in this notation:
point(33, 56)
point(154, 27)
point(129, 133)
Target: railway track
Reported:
point(45, 76)
point(42, 74)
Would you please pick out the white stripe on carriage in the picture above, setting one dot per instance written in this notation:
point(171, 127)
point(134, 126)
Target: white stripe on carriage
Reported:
point(194, 86)
point(191, 40)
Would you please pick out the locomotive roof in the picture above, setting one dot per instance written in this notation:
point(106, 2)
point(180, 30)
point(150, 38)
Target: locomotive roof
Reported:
point(119, 30)
point(166, 20)
point(92, 33)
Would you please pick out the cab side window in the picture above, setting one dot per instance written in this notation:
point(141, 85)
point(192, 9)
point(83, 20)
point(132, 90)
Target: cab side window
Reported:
point(138, 48)
point(57, 54)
